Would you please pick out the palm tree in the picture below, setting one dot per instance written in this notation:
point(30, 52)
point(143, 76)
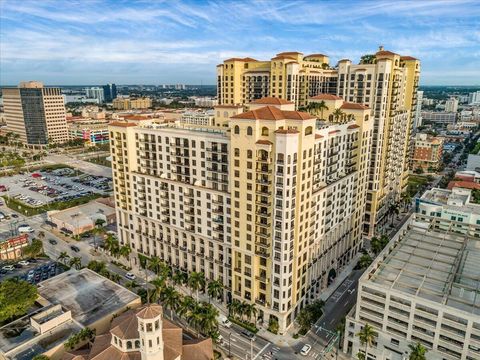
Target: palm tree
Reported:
point(376, 245)
point(406, 199)
point(159, 286)
point(209, 316)
point(196, 281)
point(131, 285)
point(214, 289)
point(111, 245)
point(338, 114)
point(63, 257)
point(321, 106)
point(194, 318)
point(365, 261)
point(249, 310)
point(186, 305)
point(75, 262)
point(417, 352)
point(234, 308)
point(170, 299)
point(393, 210)
point(179, 278)
point(125, 251)
point(367, 336)
point(154, 264)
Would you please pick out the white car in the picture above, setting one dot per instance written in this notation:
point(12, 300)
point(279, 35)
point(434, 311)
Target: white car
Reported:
point(25, 229)
point(24, 262)
point(224, 321)
point(130, 276)
point(306, 349)
point(8, 267)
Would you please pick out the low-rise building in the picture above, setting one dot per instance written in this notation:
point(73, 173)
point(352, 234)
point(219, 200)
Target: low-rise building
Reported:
point(422, 288)
point(202, 118)
point(82, 218)
point(473, 162)
point(438, 118)
point(427, 153)
point(11, 248)
point(132, 103)
point(144, 334)
point(67, 303)
point(92, 132)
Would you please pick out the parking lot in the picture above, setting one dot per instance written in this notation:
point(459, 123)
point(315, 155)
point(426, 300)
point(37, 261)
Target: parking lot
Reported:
point(35, 271)
point(45, 187)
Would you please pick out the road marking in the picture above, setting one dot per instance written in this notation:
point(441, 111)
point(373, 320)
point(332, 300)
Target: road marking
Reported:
point(267, 345)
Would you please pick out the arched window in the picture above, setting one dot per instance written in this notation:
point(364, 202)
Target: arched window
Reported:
point(129, 345)
point(249, 154)
point(366, 117)
point(264, 131)
point(308, 130)
point(225, 114)
point(236, 129)
point(137, 344)
point(249, 130)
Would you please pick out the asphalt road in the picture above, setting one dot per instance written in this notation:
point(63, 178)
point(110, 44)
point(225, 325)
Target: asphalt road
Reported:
point(240, 347)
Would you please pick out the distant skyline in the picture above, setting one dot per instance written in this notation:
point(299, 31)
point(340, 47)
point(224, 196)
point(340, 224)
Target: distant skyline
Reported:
point(156, 42)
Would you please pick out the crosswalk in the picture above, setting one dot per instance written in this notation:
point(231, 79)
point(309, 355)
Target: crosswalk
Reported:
point(270, 354)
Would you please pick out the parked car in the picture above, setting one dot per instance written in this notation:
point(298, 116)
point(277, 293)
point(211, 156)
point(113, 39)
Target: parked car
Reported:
point(8, 267)
point(224, 321)
point(25, 229)
point(248, 334)
point(53, 241)
point(130, 276)
point(305, 349)
point(75, 248)
point(24, 262)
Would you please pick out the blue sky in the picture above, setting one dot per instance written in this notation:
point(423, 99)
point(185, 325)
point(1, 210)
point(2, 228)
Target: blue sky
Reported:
point(156, 42)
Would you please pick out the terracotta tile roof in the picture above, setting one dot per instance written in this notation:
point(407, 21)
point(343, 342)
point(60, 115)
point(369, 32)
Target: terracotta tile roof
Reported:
point(122, 124)
point(286, 131)
point(271, 101)
point(264, 142)
point(463, 184)
point(198, 350)
point(247, 59)
point(326, 97)
point(126, 327)
point(353, 106)
point(407, 58)
point(289, 53)
point(273, 113)
point(384, 53)
point(316, 55)
point(150, 311)
point(353, 126)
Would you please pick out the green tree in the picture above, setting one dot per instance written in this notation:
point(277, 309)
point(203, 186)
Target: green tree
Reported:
point(365, 261)
point(63, 257)
point(34, 249)
point(305, 321)
point(131, 285)
point(338, 114)
point(250, 311)
point(154, 264)
point(234, 308)
point(196, 282)
point(112, 245)
point(186, 305)
point(417, 352)
point(214, 289)
point(125, 251)
point(376, 245)
point(41, 357)
point(75, 262)
point(393, 210)
point(16, 297)
point(158, 287)
point(179, 278)
point(367, 336)
point(97, 266)
point(170, 299)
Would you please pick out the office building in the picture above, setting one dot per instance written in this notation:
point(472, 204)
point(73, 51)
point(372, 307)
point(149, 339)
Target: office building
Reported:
point(289, 75)
point(95, 93)
point(438, 118)
point(421, 289)
point(418, 111)
point(132, 103)
point(144, 334)
point(36, 113)
point(272, 205)
point(451, 105)
point(427, 153)
point(109, 92)
point(474, 98)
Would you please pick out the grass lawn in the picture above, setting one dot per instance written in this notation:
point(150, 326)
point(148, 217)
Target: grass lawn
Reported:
point(101, 160)
point(415, 182)
point(61, 205)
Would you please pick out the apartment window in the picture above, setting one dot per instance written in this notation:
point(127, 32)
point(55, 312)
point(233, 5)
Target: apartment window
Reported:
point(249, 131)
point(236, 129)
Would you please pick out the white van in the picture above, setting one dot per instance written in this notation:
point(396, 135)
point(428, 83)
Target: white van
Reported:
point(25, 229)
point(223, 320)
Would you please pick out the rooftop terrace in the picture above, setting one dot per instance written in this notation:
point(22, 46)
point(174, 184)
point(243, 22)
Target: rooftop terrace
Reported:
point(435, 265)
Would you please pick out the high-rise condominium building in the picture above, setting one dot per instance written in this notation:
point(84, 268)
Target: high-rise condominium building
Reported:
point(95, 93)
point(289, 75)
point(451, 105)
point(423, 288)
point(385, 82)
point(109, 92)
point(271, 205)
point(35, 113)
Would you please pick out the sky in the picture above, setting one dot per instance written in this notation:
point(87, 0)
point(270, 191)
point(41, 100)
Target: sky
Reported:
point(68, 42)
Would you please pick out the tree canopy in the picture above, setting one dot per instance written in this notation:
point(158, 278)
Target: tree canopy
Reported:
point(16, 297)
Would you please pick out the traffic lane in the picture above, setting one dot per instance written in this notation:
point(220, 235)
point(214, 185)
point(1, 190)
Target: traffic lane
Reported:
point(240, 346)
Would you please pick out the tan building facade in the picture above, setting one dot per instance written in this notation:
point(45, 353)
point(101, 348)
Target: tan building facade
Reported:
point(272, 205)
point(129, 104)
point(36, 113)
point(427, 153)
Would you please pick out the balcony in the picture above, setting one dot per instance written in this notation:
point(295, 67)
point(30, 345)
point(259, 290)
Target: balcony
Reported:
point(218, 219)
point(262, 254)
point(264, 160)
